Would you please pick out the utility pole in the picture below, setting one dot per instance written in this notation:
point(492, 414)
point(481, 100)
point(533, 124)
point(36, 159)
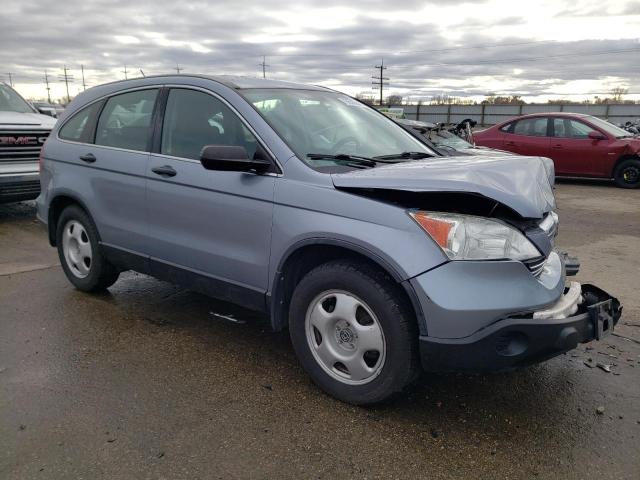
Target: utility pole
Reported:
point(125, 72)
point(84, 85)
point(46, 80)
point(264, 66)
point(66, 78)
point(178, 69)
point(380, 80)
point(10, 78)
point(143, 75)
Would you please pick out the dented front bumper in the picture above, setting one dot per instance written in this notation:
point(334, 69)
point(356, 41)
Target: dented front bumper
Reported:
point(523, 341)
point(497, 315)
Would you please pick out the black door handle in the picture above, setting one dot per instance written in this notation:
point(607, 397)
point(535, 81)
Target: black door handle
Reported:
point(89, 158)
point(165, 171)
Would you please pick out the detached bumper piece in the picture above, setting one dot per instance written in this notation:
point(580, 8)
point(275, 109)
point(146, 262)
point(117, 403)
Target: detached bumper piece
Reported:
point(584, 313)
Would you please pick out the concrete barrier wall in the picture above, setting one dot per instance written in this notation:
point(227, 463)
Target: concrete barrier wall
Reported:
point(492, 114)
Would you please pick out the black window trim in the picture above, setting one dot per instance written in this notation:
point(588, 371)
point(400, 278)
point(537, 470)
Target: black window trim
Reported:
point(276, 168)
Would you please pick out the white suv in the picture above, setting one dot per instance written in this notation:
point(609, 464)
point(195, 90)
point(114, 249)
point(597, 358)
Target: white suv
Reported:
point(23, 131)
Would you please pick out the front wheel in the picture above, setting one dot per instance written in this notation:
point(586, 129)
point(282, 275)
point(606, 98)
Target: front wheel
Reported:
point(627, 173)
point(354, 332)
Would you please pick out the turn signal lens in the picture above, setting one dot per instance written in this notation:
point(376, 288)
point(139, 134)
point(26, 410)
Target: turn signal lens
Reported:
point(439, 229)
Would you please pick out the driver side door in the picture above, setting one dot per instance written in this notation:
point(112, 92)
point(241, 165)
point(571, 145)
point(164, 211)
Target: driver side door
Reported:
point(211, 228)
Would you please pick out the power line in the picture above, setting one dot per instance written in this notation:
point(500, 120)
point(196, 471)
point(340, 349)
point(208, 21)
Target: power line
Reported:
point(514, 60)
point(435, 50)
point(380, 79)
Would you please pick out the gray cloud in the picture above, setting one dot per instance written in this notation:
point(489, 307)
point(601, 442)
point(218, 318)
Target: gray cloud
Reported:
point(211, 38)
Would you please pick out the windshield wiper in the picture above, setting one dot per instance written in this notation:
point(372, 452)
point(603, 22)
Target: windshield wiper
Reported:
point(343, 157)
point(409, 155)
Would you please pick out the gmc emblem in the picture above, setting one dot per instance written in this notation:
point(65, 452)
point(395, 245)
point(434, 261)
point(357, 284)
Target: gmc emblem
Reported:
point(22, 140)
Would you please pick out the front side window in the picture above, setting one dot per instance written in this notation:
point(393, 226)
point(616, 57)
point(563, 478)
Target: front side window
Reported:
point(10, 101)
point(125, 121)
point(194, 119)
point(567, 128)
point(77, 128)
point(531, 127)
point(315, 123)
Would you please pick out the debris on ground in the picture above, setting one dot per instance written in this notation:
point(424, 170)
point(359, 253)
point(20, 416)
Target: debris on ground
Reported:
point(228, 317)
point(600, 410)
point(604, 366)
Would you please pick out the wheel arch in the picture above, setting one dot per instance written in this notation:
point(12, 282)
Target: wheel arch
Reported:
point(56, 206)
point(622, 158)
point(305, 255)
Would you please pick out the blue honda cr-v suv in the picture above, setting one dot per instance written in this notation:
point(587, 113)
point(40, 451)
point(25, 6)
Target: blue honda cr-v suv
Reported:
point(301, 202)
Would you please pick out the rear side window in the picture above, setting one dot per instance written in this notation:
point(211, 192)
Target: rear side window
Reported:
point(194, 119)
point(79, 127)
point(125, 121)
point(532, 127)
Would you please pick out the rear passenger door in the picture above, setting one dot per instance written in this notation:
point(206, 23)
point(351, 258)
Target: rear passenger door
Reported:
point(211, 229)
point(110, 141)
point(528, 136)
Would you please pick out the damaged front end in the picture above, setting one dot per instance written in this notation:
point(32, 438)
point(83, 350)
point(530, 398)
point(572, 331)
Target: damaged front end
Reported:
point(502, 299)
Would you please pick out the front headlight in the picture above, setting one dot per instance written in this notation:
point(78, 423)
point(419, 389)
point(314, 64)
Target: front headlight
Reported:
point(465, 237)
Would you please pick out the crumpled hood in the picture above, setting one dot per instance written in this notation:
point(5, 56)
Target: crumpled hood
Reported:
point(521, 183)
point(25, 120)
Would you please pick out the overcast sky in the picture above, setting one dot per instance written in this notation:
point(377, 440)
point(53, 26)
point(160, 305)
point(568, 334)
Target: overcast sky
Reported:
point(455, 47)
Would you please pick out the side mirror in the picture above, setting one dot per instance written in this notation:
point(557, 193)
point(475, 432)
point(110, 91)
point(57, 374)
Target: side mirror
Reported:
point(593, 135)
point(231, 158)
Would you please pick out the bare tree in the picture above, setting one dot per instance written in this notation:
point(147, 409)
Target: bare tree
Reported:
point(617, 93)
point(394, 100)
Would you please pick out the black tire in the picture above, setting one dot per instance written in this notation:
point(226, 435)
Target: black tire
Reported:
point(102, 274)
point(384, 298)
point(627, 173)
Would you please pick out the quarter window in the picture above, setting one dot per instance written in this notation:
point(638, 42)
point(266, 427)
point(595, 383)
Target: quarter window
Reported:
point(125, 121)
point(78, 127)
point(532, 127)
point(194, 119)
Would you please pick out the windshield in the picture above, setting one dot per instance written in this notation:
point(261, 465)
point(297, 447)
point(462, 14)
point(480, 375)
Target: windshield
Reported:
point(609, 128)
point(10, 101)
point(316, 123)
point(443, 138)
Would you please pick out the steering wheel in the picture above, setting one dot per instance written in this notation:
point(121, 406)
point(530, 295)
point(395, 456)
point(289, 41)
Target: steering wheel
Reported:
point(338, 146)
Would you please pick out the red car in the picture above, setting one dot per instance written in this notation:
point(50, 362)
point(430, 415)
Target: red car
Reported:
point(579, 145)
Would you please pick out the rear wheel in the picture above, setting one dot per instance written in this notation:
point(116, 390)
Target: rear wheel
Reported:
point(353, 332)
point(79, 252)
point(627, 173)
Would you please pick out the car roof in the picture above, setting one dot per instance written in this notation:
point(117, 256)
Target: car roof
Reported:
point(555, 114)
point(236, 82)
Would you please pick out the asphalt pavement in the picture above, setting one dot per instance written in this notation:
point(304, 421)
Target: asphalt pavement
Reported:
point(152, 381)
